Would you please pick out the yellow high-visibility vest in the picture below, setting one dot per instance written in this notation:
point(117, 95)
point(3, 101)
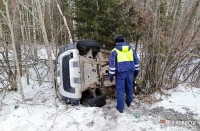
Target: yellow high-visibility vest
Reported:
point(125, 54)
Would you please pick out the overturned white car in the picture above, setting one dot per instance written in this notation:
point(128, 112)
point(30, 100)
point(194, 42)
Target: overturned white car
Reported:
point(82, 74)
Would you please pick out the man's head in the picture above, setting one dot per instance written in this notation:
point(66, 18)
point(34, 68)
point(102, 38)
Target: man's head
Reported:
point(119, 38)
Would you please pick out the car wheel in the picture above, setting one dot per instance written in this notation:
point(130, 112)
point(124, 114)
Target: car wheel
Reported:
point(85, 45)
point(98, 101)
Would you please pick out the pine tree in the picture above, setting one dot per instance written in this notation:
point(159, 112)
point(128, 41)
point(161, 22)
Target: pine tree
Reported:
point(102, 20)
point(98, 20)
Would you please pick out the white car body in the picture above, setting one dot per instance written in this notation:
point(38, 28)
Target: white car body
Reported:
point(77, 73)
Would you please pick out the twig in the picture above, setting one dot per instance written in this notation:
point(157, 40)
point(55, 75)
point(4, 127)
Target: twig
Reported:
point(55, 102)
point(1, 90)
point(54, 119)
point(71, 110)
point(31, 104)
point(40, 80)
point(193, 92)
point(38, 74)
point(4, 92)
point(38, 104)
point(27, 109)
point(35, 94)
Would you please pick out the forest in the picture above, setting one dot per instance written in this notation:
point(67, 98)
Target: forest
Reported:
point(165, 34)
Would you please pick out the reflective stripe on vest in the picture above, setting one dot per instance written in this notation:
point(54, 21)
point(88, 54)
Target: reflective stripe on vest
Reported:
point(124, 55)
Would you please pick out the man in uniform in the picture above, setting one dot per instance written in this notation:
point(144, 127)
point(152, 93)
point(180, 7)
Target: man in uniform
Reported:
point(124, 65)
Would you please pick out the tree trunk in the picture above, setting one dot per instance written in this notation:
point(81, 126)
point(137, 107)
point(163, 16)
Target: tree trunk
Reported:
point(18, 77)
point(46, 42)
point(17, 32)
point(34, 34)
point(66, 25)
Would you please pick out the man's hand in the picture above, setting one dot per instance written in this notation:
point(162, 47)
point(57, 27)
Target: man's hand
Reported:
point(136, 72)
point(111, 78)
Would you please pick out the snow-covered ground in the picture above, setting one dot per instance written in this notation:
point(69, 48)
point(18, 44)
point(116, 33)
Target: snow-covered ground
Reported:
point(183, 99)
point(40, 113)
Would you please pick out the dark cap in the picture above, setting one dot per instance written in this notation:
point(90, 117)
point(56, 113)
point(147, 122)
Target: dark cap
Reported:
point(119, 38)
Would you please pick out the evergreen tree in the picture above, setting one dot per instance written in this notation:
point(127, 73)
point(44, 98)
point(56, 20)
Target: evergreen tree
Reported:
point(97, 19)
point(102, 20)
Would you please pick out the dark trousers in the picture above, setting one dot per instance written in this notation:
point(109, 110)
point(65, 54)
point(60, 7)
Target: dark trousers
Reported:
point(124, 83)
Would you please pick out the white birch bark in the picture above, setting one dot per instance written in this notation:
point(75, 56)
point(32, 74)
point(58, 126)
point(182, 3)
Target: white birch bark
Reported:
point(18, 77)
point(34, 33)
point(65, 22)
point(46, 42)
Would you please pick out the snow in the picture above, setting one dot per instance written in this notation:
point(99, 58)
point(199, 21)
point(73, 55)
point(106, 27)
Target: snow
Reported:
point(40, 113)
point(183, 99)
point(42, 54)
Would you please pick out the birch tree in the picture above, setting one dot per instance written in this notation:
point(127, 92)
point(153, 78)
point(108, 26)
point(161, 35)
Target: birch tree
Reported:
point(16, 28)
point(46, 42)
point(10, 25)
point(65, 22)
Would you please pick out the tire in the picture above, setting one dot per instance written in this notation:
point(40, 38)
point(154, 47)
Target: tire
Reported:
point(85, 45)
point(89, 100)
point(98, 101)
point(87, 94)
